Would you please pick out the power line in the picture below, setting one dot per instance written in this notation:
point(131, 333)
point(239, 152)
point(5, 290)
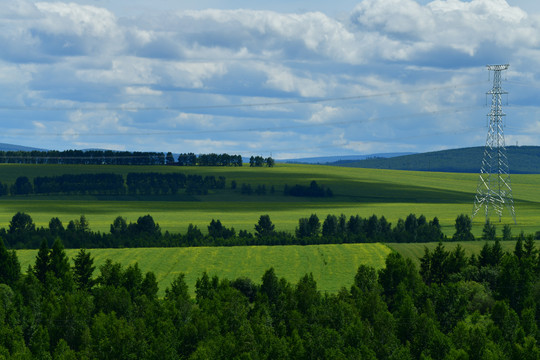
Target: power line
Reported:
point(227, 106)
point(248, 130)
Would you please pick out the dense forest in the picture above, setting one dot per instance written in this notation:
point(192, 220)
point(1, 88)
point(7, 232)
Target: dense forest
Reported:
point(521, 160)
point(485, 306)
point(22, 233)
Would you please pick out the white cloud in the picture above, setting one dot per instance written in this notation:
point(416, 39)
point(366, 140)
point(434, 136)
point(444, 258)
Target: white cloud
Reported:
point(141, 90)
point(281, 78)
point(62, 18)
point(39, 125)
point(323, 114)
point(393, 58)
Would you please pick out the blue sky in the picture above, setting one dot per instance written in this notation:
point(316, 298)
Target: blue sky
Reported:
point(281, 78)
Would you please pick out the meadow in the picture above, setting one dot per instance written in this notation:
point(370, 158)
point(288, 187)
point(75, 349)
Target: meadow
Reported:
point(389, 193)
point(332, 266)
point(416, 251)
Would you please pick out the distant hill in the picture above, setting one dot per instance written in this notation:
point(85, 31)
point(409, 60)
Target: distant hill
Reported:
point(11, 147)
point(344, 158)
point(521, 159)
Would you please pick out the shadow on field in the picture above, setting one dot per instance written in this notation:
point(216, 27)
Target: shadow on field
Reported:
point(391, 193)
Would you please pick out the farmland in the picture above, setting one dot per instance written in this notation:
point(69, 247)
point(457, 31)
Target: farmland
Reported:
point(393, 194)
point(333, 266)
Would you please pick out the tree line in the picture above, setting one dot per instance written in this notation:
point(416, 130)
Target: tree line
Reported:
point(311, 190)
point(145, 232)
point(150, 183)
point(82, 157)
point(109, 157)
point(190, 159)
point(456, 306)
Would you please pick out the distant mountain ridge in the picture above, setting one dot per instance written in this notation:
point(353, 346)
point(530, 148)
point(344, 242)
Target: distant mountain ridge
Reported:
point(344, 158)
point(521, 160)
point(12, 147)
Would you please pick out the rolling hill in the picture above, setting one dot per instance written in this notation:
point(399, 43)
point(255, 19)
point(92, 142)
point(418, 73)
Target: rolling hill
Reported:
point(521, 159)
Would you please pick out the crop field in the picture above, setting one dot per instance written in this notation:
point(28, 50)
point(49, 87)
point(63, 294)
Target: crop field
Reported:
point(389, 193)
point(416, 251)
point(333, 266)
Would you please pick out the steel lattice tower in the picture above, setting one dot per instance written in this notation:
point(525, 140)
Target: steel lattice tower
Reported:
point(494, 190)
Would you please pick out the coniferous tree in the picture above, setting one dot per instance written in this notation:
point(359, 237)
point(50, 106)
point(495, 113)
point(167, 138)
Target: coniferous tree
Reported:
point(489, 231)
point(59, 265)
point(83, 269)
point(10, 268)
point(264, 227)
point(42, 264)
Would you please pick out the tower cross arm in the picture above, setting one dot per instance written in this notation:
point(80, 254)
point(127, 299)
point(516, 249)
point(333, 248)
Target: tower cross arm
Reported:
point(498, 67)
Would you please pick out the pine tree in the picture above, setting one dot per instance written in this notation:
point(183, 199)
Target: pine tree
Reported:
point(10, 268)
point(83, 270)
point(42, 262)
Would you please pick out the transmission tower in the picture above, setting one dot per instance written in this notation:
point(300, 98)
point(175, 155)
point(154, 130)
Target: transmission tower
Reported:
point(494, 190)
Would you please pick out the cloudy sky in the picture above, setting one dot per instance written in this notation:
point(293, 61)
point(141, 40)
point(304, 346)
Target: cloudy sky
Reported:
point(281, 78)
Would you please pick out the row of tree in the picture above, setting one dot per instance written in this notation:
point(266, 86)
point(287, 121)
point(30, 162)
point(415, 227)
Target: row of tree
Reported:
point(313, 190)
point(259, 161)
point(170, 184)
point(83, 157)
point(113, 184)
point(190, 159)
point(482, 306)
point(107, 184)
point(109, 157)
point(145, 232)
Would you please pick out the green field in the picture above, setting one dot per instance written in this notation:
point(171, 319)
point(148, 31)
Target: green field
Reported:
point(365, 192)
point(416, 251)
point(333, 266)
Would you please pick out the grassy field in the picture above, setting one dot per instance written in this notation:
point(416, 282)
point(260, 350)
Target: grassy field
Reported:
point(333, 266)
point(365, 192)
point(416, 251)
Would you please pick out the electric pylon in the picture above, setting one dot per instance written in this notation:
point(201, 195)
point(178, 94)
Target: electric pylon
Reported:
point(494, 189)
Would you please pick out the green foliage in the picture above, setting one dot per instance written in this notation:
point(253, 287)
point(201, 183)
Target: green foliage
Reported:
point(264, 227)
point(489, 231)
point(10, 268)
point(463, 227)
point(83, 269)
point(20, 224)
point(386, 314)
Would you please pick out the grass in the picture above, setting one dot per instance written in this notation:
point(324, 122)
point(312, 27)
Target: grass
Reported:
point(333, 266)
point(416, 251)
point(389, 193)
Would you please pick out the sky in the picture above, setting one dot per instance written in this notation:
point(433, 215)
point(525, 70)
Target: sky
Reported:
point(286, 79)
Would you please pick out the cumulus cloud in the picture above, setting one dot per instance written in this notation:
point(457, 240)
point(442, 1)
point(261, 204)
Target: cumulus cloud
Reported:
point(390, 69)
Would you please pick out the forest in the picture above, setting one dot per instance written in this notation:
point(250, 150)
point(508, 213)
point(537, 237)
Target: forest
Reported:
point(522, 160)
point(484, 306)
point(22, 233)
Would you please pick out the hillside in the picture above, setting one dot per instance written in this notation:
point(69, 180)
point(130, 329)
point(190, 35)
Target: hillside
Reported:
point(365, 192)
point(522, 160)
point(12, 147)
point(333, 159)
